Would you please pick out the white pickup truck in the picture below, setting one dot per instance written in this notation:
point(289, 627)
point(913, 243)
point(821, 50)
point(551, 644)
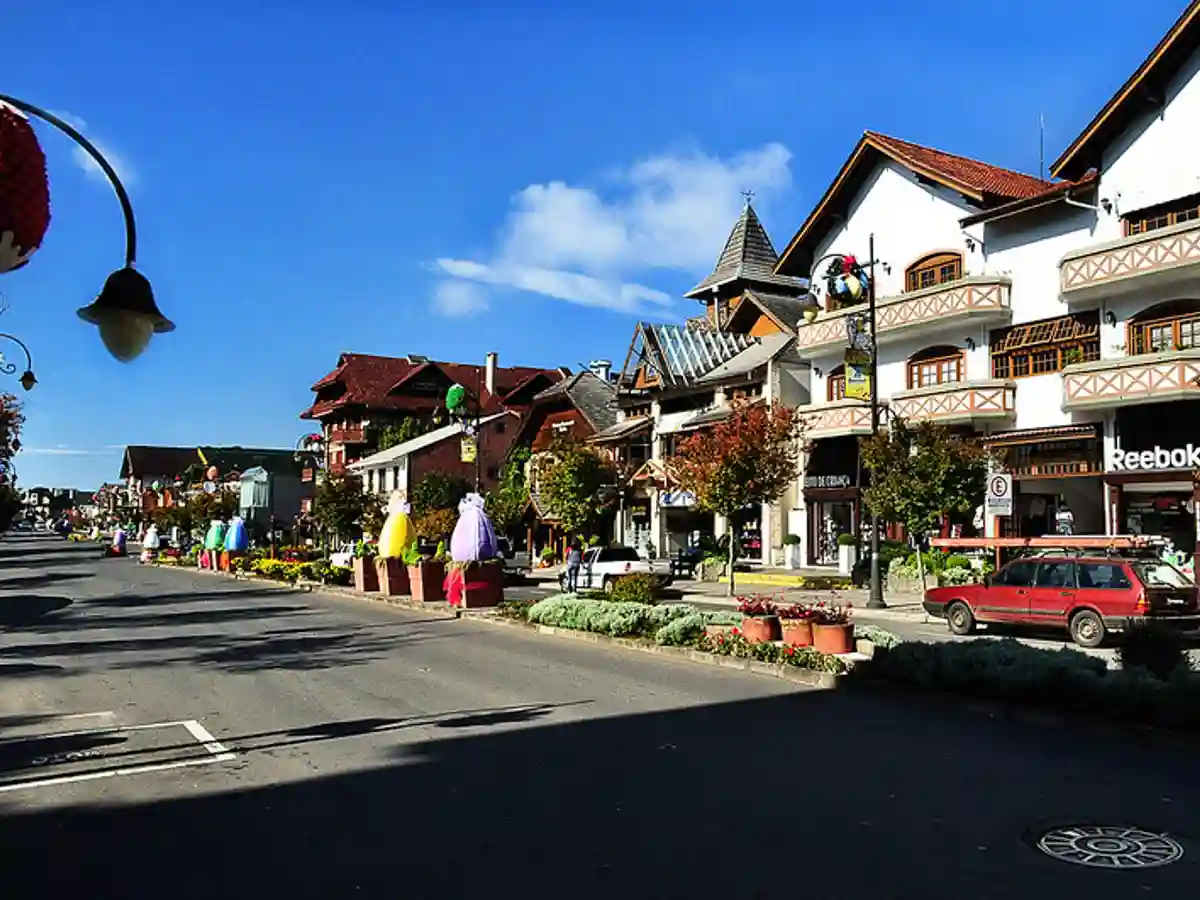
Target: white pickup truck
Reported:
point(602, 566)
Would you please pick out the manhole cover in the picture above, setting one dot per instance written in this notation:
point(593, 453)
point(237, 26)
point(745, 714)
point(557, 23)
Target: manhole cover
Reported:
point(1110, 846)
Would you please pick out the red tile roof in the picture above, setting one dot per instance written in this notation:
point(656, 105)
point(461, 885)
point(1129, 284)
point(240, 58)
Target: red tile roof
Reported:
point(368, 381)
point(983, 183)
point(1050, 193)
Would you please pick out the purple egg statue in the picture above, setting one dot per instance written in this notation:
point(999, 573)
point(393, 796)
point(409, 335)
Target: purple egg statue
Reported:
point(474, 539)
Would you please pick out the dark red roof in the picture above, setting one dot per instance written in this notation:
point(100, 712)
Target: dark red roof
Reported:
point(1053, 191)
point(370, 381)
point(983, 177)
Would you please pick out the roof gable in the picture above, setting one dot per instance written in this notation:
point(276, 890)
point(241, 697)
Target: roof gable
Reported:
point(981, 183)
point(749, 256)
point(1144, 87)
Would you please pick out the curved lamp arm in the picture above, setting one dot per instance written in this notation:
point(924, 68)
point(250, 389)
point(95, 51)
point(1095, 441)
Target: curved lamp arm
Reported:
point(10, 368)
point(90, 148)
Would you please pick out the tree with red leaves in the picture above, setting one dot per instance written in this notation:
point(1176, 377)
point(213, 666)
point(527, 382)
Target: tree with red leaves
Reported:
point(748, 459)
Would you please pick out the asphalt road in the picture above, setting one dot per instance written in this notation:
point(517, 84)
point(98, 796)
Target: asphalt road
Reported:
point(383, 753)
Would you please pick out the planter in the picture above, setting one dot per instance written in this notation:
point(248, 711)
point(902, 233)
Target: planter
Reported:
point(483, 585)
point(791, 556)
point(366, 580)
point(425, 581)
point(761, 629)
point(833, 638)
point(797, 632)
point(847, 557)
point(392, 575)
point(717, 630)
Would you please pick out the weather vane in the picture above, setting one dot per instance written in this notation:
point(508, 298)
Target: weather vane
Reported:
point(749, 195)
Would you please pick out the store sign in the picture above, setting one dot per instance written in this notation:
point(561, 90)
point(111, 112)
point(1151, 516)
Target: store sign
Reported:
point(676, 499)
point(999, 498)
point(1159, 458)
point(827, 481)
point(858, 375)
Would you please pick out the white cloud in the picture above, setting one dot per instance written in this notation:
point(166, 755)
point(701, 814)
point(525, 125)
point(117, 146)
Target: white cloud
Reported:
point(83, 159)
point(455, 299)
point(666, 212)
point(61, 450)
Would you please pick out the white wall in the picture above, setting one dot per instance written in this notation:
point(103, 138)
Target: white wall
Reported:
point(1155, 159)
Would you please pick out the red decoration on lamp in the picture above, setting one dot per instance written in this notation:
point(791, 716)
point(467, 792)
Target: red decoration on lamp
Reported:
point(24, 190)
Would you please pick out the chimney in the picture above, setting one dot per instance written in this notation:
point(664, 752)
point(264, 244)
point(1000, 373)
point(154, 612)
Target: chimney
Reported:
point(601, 368)
point(489, 373)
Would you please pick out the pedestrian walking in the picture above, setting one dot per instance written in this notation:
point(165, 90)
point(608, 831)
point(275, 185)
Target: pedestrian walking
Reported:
point(1064, 519)
point(574, 561)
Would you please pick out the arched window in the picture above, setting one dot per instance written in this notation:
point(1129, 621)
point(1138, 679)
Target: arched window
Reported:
point(835, 384)
point(934, 269)
point(935, 365)
point(1174, 325)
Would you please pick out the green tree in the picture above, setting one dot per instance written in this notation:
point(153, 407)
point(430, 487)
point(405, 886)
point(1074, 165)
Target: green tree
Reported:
point(437, 491)
point(750, 458)
point(373, 516)
point(220, 504)
point(506, 502)
point(575, 483)
point(385, 435)
point(921, 473)
point(339, 504)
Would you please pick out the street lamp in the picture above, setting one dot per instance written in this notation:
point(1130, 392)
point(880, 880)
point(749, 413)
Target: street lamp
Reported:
point(125, 310)
point(845, 278)
point(27, 379)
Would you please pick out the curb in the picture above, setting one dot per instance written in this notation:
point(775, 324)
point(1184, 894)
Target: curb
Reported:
point(815, 680)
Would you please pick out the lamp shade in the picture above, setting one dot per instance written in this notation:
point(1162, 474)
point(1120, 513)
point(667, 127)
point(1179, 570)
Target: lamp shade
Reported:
point(24, 190)
point(126, 314)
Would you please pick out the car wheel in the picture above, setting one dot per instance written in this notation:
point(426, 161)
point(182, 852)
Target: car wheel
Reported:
point(959, 618)
point(608, 584)
point(1087, 629)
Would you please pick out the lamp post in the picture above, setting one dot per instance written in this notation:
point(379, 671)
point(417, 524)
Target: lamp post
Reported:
point(125, 310)
point(27, 379)
point(309, 452)
point(851, 270)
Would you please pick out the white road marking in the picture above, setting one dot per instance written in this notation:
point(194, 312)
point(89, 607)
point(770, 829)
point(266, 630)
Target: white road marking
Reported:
point(217, 752)
point(210, 743)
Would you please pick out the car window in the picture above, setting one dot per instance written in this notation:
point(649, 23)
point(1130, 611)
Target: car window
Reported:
point(1103, 576)
point(618, 554)
point(1159, 574)
point(1018, 574)
point(1057, 574)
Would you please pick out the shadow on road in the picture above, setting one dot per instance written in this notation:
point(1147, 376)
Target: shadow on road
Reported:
point(703, 802)
point(17, 670)
point(29, 609)
point(31, 582)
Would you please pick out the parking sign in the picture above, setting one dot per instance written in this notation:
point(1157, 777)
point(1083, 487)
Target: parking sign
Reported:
point(999, 499)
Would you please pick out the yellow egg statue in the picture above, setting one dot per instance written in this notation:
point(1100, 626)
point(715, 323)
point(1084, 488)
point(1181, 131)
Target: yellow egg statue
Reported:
point(398, 532)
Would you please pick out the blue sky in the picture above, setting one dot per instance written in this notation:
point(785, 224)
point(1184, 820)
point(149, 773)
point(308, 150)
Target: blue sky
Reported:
point(378, 178)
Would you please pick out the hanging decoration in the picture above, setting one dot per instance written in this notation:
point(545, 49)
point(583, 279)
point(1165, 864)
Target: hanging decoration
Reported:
point(455, 397)
point(212, 473)
point(156, 486)
point(846, 282)
point(24, 190)
point(474, 539)
point(398, 532)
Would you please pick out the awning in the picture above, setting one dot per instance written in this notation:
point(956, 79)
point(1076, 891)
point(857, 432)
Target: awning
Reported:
point(713, 416)
point(620, 431)
point(672, 423)
point(1085, 432)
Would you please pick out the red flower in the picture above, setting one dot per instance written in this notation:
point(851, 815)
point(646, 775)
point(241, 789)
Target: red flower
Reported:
point(24, 190)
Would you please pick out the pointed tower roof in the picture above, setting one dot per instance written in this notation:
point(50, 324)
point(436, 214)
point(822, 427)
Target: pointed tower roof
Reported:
point(748, 257)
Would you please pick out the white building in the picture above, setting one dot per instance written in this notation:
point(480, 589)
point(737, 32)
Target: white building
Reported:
point(1052, 318)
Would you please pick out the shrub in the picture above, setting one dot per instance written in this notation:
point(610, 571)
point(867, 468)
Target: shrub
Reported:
point(1158, 649)
point(876, 635)
point(957, 561)
point(637, 588)
point(957, 575)
point(791, 540)
point(611, 617)
point(682, 632)
point(848, 540)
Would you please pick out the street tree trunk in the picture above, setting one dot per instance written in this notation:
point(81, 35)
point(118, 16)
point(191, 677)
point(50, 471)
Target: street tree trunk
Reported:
point(732, 553)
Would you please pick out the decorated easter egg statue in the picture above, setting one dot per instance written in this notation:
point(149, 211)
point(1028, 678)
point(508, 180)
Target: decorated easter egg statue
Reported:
point(398, 533)
point(236, 539)
point(473, 539)
point(215, 537)
point(151, 540)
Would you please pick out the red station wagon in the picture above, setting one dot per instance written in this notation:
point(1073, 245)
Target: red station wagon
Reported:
point(1089, 595)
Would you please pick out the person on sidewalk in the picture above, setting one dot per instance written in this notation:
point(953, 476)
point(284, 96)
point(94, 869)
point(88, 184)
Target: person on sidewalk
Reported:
point(574, 561)
point(1064, 519)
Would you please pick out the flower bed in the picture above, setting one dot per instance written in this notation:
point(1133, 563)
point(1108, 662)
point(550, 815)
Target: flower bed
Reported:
point(1063, 679)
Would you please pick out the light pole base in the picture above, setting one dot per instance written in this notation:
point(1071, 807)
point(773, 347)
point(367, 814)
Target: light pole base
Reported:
point(876, 603)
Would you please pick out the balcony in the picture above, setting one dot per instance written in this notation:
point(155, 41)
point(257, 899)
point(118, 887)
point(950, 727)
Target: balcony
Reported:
point(841, 418)
point(961, 403)
point(1131, 263)
point(976, 299)
point(344, 434)
point(1145, 378)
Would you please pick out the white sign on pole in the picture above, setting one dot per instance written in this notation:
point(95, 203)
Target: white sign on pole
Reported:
point(999, 498)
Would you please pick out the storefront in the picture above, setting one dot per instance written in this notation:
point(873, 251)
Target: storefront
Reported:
point(683, 523)
point(831, 497)
point(1052, 468)
point(1152, 472)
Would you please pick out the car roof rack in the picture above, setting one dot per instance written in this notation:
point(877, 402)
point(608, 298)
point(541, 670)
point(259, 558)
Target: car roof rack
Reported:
point(1095, 542)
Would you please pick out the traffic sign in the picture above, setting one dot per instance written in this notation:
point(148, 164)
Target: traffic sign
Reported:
point(999, 498)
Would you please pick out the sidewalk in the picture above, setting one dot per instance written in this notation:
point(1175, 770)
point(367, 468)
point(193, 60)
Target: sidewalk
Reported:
point(903, 607)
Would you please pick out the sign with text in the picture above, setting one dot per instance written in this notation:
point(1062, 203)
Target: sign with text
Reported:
point(676, 499)
point(999, 497)
point(1158, 459)
point(827, 481)
point(469, 449)
point(858, 375)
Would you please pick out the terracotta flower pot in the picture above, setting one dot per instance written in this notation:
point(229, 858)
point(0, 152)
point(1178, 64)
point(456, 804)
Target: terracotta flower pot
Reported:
point(393, 576)
point(366, 579)
point(483, 585)
point(833, 638)
point(797, 632)
point(426, 580)
point(761, 629)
